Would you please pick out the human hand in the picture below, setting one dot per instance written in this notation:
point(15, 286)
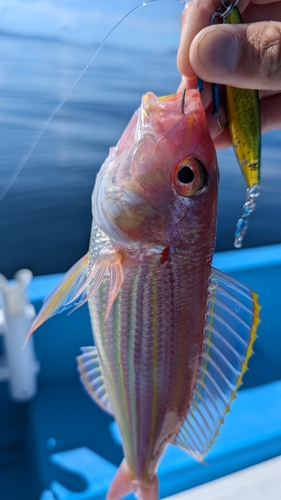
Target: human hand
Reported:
point(241, 55)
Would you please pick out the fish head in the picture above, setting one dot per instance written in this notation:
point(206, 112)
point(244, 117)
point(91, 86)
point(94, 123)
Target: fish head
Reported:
point(158, 187)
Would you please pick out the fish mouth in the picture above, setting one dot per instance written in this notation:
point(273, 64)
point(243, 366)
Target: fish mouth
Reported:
point(171, 97)
point(166, 98)
point(156, 111)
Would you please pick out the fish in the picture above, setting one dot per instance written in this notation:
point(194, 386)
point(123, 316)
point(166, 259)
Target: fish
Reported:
point(173, 336)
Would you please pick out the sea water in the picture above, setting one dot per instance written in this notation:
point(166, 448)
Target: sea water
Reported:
point(45, 217)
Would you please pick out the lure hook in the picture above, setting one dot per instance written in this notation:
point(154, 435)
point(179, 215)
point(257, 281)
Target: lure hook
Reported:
point(183, 101)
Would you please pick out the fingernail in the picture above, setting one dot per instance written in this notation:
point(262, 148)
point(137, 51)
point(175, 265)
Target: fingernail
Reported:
point(218, 52)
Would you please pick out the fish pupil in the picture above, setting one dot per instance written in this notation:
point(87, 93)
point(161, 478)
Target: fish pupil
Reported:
point(185, 175)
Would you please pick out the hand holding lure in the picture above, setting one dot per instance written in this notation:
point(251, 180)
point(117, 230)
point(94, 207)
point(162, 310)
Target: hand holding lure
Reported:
point(244, 123)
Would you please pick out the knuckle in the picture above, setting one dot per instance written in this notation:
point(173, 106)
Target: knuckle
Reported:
point(266, 53)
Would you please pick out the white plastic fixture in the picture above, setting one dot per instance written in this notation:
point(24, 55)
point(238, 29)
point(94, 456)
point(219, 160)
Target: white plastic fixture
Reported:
point(18, 365)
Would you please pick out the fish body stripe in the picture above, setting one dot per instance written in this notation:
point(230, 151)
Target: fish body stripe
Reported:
point(149, 360)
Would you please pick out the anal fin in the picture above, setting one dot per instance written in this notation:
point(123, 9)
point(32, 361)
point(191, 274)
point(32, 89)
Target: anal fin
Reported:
point(231, 323)
point(92, 378)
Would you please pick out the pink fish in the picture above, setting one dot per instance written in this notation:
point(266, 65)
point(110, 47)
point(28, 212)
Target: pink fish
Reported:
point(172, 335)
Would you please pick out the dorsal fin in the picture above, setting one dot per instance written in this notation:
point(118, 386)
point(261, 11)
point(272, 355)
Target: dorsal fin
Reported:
point(92, 378)
point(231, 324)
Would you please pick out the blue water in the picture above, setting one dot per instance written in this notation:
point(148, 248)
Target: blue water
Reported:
point(46, 215)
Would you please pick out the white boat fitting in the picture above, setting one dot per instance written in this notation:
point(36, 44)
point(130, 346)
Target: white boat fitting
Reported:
point(18, 364)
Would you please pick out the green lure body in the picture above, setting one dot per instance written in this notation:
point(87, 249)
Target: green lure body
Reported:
point(243, 116)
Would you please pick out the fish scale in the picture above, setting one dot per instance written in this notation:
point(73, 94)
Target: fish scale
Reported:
point(173, 336)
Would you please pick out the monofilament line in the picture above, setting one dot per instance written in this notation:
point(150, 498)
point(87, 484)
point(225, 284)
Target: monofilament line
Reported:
point(57, 109)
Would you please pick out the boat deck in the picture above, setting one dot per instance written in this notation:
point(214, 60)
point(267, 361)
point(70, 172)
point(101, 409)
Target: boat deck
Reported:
point(260, 482)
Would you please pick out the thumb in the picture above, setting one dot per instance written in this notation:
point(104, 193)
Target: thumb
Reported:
point(241, 55)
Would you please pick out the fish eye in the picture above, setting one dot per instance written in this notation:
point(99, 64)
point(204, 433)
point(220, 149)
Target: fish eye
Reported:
point(190, 177)
point(185, 175)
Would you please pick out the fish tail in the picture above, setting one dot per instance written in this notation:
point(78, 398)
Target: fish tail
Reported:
point(148, 491)
point(125, 483)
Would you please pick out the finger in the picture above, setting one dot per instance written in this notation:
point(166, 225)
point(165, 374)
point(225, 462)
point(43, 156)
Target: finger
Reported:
point(264, 2)
point(266, 12)
point(196, 16)
point(267, 93)
point(270, 120)
point(223, 140)
point(206, 96)
point(241, 55)
point(270, 113)
point(188, 83)
point(218, 130)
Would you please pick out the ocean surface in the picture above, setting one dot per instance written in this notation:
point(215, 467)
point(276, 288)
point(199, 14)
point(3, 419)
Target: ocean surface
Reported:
point(45, 216)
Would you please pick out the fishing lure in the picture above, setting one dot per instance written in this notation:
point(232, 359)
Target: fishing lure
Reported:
point(244, 123)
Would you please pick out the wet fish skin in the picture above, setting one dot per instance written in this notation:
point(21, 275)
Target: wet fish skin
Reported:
point(133, 201)
point(172, 335)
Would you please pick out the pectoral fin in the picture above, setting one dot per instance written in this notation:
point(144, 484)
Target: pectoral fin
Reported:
point(231, 324)
point(92, 378)
point(64, 294)
point(105, 263)
point(79, 283)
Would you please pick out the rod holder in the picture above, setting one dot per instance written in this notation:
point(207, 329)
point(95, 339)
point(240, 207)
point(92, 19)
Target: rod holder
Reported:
point(18, 365)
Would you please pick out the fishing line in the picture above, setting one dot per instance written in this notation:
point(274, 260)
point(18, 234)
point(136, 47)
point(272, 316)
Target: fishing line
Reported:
point(58, 108)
